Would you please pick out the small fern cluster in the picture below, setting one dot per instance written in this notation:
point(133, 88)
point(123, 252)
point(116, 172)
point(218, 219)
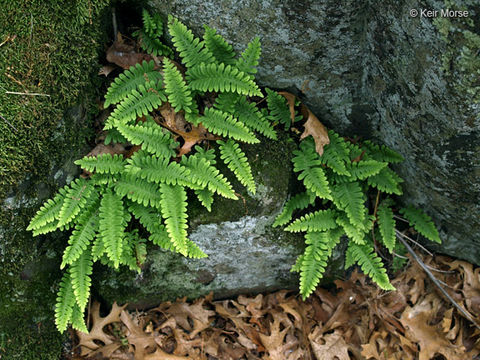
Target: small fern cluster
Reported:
point(336, 186)
point(127, 200)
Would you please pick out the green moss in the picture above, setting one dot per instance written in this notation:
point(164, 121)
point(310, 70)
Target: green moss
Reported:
point(460, 61)
point(51, 48)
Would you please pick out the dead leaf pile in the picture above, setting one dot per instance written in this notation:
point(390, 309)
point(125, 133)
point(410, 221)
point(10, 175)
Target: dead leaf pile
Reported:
point(355, 321)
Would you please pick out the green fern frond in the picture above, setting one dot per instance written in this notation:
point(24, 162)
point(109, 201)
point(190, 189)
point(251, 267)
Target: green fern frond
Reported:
point(138, 102)
point(203, 174)
point(80, 272)
point(48, 212)
point(370, 263)
point(223, 124)
point(335, 154)
point(82, 236)
point(421, 222)
point(365, 168)
point(148, 217)
point(386, 226)
point(237, 162)
point(381, 152)
point(138, 190)
point(297, 202)
point(152, 138)
point(221, 50)
point(221, 77)
point(65, 303)
point(179, 95)
point(112, 225)
point(355, 233)
point(208, 155)
point(75, 199)
point(248, 114)
point(174, 211)
point(149, 35)
point(320, 220)
point(205, 196)
point(133, 244)
point(189, 47)
point(297, 267)
point(194, 251)
point(225, 102)
point(306, 157)
point(114, 137)
point(156, 169)
point(314, 260)
point(248, 60)
point(102, 164)
point(351, 199)
point(129, 80)
point(387, 181)
point(78, 321)
point(278, 108)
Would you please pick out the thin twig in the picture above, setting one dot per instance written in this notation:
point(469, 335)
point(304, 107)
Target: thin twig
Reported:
point(415, 242)
point(401, 218)
point(376, 204)
point(440, 271)
point(400, 237)
point(25, 93)
point(114, 24)
point(13, 127)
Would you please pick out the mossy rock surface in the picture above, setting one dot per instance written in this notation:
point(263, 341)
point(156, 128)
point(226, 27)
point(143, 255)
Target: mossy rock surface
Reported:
point(369, 69)
point(50, 48)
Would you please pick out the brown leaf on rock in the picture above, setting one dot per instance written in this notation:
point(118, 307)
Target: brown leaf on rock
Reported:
point(316, 129)
point(105, 70)
point(291, 103)
point(124, 55)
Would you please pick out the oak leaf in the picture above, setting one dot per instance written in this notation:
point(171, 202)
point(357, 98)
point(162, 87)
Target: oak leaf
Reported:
point(316, 129)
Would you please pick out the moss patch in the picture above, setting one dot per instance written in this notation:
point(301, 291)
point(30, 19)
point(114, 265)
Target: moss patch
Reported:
point(51, 48)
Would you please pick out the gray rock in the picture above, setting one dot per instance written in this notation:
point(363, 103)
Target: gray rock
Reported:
point(369, 69)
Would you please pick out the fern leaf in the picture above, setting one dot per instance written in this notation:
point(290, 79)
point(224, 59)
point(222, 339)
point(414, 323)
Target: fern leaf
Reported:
point(179, 96)
point(190, 48)
point(75, 199)
point(386, 226)
point(194, 251)
point(320, 220)
point(352, 200)
point(174, 211)
point(49, 211)
point(237, 162)
point(248, 60)
point(84, 233)
point(102, 164)
point(78, 321)
point(138, 190)
point(152, 24)
point(421, 222)
point(248, 114)
point(223, 124)
point(335, 154)
point(138, 102)
point(129, 80)
point(152, 138)
point(225, 102)
point(65, 303)
point(205, 196)
point(314, 260)
point(80, 272)
point(355, 233)
point(381, 152)
point(221, 77)
point(208, 155)
point(149, 35)
point(297, 202)
point(278, 108)
point(221, 50)
point(132, 243)
point(365, 168)
point(297, 267)
point(370, 263)
point(203, 174)
point(98, 249)
point(156, 169)
point(387, 181)
point(112, 225)
point(114, 137)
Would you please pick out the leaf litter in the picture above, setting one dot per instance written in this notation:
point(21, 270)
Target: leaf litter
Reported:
point(355, 320)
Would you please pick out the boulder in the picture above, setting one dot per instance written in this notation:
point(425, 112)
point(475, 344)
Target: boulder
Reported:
point(372, 69)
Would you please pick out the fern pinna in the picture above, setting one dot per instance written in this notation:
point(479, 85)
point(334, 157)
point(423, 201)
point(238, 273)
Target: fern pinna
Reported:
point(162, 112)
point(335, 204)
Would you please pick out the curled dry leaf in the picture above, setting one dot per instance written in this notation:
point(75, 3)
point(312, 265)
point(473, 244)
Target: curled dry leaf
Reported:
point(291, 103)
point(328, 347)
point(316, 129)
point(124, 55)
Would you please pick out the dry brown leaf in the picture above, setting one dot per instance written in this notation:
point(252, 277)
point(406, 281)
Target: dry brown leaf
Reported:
point(328, 347)
point(275, 343)
point(124, 55)
point(316, 129)
point(105, 70)
point(291, 103)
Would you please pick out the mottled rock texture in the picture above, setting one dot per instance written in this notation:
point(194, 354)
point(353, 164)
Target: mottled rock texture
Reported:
point(368, 68)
